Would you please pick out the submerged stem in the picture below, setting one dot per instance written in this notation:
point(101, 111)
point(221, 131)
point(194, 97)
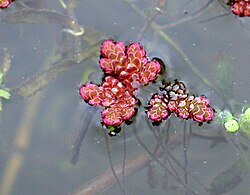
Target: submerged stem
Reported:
point(111, 163)
point(159, 162)
point(106, 180)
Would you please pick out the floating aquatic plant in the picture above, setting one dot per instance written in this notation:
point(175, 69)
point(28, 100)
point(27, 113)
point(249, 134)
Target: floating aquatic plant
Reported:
point(113, 95)
point(125, 68)
point(233, 123)
point(128, 64)
point(5, 3)
point(240, 8)
point(244, 121)
point(175, 99)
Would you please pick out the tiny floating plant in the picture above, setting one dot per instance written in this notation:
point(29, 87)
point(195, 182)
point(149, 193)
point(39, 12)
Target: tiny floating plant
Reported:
point(5, 3)
point(240, 8)
point(125, 69)
point(175, 99)
point(227, 119)
point(233, 124)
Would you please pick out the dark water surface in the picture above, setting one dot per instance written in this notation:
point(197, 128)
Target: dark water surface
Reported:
point(50, 120)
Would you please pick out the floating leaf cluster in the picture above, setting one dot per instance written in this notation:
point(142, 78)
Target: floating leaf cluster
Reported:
point(5, 3)
point(233, 124)
point(240, 8)
point(125, 68)
point(175, 99)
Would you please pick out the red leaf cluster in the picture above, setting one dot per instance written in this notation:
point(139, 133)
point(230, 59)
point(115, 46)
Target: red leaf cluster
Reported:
point(175, 99)
point(125, 67)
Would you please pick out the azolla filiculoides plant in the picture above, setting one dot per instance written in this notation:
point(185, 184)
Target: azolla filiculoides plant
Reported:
point(175, 99)
point(5, 3)
point(240, 8)
point(126, 67)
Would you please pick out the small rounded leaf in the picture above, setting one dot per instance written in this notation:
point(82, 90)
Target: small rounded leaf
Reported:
point(232, 126)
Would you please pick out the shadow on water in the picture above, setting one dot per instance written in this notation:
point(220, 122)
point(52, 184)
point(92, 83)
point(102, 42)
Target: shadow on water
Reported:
point(53, 143)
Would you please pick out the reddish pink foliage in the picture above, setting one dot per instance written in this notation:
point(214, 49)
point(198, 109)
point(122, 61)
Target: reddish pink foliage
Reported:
point(181, 107)
point(184, 106)
point(126, 67)
point(158, 109)
point(91, 93)
point(111, 94)
point(5, 3)
point(116, 114)
point(128, 64)
point(241, 8)
point(201, 112)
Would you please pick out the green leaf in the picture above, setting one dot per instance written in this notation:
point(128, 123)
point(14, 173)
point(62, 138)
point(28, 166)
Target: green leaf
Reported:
point(1, 78)
point(232, 126)
point(223, 116)
point(4, 94)
point(244, 122)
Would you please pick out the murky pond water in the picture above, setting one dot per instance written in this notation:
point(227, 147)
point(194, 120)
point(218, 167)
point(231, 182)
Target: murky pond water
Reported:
point(54, 50)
